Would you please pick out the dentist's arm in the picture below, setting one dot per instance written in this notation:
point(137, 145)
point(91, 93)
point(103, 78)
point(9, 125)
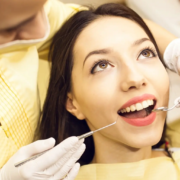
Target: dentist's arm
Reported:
point(55, 164)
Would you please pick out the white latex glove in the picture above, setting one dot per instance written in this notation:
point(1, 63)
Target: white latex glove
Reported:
point(177, 101)
point(55, 164)
point(172, 56)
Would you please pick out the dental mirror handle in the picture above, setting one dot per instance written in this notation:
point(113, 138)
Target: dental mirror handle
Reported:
point(176, 105)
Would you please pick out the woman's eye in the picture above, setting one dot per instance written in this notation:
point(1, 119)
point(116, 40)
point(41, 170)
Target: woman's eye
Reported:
point(146, 54)
point(100, 66)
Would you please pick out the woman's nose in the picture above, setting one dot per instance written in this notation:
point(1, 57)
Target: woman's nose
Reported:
point(132, 78)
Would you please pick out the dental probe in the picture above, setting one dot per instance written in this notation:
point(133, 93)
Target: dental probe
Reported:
point(176, 103)
point(79, 137)
point(92, 132)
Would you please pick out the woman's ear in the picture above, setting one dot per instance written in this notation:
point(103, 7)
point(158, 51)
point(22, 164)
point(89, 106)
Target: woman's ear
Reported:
point(73, 108)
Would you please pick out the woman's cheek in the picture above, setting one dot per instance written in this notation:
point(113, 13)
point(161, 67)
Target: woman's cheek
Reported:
point(99, 91)
point(160, 81)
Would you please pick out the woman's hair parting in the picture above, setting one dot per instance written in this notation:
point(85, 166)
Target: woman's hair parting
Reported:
point(56, 121)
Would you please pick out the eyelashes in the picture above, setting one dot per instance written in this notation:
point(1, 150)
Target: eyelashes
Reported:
point(96, 63)
point(153, 53)
point(150, 49)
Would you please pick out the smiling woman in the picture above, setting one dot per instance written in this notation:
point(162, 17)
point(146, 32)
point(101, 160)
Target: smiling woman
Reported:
point(109, 69)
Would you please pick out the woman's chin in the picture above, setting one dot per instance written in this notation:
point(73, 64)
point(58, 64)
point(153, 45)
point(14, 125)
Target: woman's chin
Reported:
point(146, 141)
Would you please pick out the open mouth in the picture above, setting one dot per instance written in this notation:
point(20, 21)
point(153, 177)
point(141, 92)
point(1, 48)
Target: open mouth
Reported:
point(138, 110)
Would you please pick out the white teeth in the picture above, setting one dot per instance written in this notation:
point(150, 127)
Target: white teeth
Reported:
point(138, 106)
point(152, 102)
point(133, 108)
point(145, 104)
point(149, 102)
point(128, 109)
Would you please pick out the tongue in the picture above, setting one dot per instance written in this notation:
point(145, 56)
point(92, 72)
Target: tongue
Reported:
point(136, 114)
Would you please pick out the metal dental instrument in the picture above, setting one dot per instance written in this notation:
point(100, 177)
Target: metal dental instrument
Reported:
point(29, 159)
point(176, 103)
point(92, 132)
point(79, 137)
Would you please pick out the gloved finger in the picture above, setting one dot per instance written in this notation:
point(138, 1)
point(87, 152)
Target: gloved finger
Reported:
point(34, 148)
point(50, 157)
point(172, 54)
point(70, 163)
point(61, 162)
point(177, 101)
point(171, 62)
point(73, 172)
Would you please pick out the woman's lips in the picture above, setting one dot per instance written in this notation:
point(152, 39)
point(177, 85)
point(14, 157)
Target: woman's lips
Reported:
point(145, 121)
point(138, 99)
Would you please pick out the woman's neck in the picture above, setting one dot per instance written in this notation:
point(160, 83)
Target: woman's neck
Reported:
point(108, 151)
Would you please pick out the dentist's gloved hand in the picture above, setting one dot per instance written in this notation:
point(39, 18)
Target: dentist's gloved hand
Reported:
point(55, 164)
point(172, 56)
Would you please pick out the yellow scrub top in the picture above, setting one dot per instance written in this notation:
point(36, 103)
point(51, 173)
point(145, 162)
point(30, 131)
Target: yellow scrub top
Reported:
point(22, 79)
point(159, 168)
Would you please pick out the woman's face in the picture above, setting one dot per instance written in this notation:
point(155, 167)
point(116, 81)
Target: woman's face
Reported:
point(117, 70)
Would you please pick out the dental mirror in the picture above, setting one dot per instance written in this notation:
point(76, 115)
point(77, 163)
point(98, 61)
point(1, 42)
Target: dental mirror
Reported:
point(176, 104)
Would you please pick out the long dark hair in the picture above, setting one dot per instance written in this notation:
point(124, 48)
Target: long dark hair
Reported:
point(56, 121)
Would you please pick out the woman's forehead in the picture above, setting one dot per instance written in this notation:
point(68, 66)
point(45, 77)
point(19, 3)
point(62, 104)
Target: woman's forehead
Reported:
point(108, 31)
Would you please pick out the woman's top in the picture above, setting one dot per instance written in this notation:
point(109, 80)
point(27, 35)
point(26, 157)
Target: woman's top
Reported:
point(159, 168)
point(22, 78)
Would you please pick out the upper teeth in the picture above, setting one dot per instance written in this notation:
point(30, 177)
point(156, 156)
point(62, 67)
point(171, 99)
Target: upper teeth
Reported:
point(138, 106)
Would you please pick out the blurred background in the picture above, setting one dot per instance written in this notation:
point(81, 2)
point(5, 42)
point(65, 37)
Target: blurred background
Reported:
point(166, 13)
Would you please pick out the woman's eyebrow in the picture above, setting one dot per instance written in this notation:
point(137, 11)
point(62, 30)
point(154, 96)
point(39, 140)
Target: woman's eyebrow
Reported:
point(100, 51)
point(140, 41)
